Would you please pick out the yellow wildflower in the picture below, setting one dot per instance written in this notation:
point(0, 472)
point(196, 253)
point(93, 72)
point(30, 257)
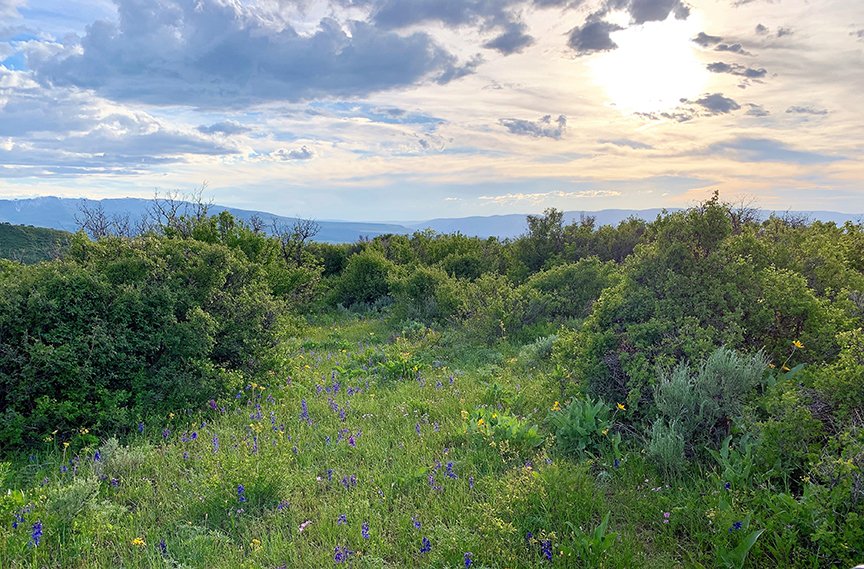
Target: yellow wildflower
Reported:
point(66, 445)
point(786, 368)
point(621, 407)
point(480, 422)
point(139, 542)
point(556, 406)
point(170, 415)
point(798, 344)
point(256, 543)
point(771, 365)
point(605, 432)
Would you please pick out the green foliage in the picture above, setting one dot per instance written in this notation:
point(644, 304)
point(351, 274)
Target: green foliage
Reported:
point(569, 291)
point(502, 429)
point(364, 279)
point(124, 329)
point(427, 294)
point(27, 244)
point(842, 382)
point(583, 427)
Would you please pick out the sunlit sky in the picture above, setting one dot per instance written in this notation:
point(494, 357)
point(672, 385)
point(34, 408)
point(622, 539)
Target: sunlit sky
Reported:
point(414, 109)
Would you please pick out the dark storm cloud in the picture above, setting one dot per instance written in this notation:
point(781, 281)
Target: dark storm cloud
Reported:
point(211, 53)
point(736, 69)
point(545, 127)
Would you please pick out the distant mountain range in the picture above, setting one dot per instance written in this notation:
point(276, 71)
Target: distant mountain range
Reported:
point(60, 213)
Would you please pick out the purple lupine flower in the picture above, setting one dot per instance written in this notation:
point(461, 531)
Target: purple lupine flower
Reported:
point(329, 475)
point(193, 436)
point(283, 505)
point(416, 522)
point(212, 404)
point(417, 428)
point(728, 486)
point(215, 443)
point(241, 493)
point(546, 549)
point(340, 554)
point(163, 547)
point(364, 530)
point(140, 427)
point(97, 456)
point(341, 520)
point(304, 412)
point(736, 526)
point(469, 559)
point(449, 472)
point(470, 482)
point(351, 441)
point(166, 433)
point(36, 534)
point(185, 456)
point(114, 482)
point(426, 545)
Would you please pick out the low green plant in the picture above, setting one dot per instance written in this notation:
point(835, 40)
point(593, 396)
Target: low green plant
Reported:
point(500, 427)
point(583, 427)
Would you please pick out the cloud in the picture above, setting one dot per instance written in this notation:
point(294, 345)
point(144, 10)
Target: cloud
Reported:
point(302, 153)
point(542, 128)
point(9, 8)
point(593, 36)
point(746, 149)
point(61, 131)
point(655, 10)
point(513, 40)
point(732, 47)
point(217, 53)
point(761, 30)
point(716, 103)
point(801, 110)
point(226, 128)
point(756, 110)
point(705, 40)
point(858, 34)
point(626, 142)
point(543, 196)
point(736, 69)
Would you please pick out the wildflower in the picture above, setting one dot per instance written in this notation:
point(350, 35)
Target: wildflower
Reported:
point(342, 519)
point(115, 482)
point(546, 549)
point(666, 517)
point(605, 432)
point(304, 412)
point(727, 486)
point(212, 404)
point(255, 544)
point(303, 526)
point(140, 427)
point(798, 344)
point(36, 534)
point(736, 526)
point(468, 559)
point(616, 463)
point(139, 542)
point(470, 482)
point(65, 445)
point(340, 554)
point(364, 530)
point(241, 493)
point(416, 522)
point(556, 406)
point(426, 545)
point(97, 456)
point(449, 472)
point(193, 436)
point(163, 548)
point(283, 504)
point(351, 441)
point(166, 433)
point(621, 407)
point(417, 428)
point(480, 422)
point(215, 443)
point(786, 368)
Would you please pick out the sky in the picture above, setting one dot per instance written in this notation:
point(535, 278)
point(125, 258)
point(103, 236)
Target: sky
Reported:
point(396, 110)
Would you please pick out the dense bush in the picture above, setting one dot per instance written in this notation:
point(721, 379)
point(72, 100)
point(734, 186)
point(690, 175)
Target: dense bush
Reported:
point(126, 328)
point(364, 279)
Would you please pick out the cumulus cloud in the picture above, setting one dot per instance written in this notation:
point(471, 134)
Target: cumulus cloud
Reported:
point(737, 69)
point(732, 47)
point(302, 153)
point(806, 110)
point(705, 40)
point(55, 130)
point(716, 103)
point(212, 52)
point(593, 36)
point(9, 8)
point(761, 30)
point(755, 110)
point(545, 127)
point(543, 196)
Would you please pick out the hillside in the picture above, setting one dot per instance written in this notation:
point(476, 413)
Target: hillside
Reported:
point(29, 244)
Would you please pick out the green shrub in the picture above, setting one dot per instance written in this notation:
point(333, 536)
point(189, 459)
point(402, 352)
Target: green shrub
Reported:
point(427, 294)
point(569, 291)
point(364, 279)
point(502, 428)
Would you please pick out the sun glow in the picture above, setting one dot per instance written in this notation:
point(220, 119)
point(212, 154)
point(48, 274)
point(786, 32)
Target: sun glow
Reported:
point(655, 66)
